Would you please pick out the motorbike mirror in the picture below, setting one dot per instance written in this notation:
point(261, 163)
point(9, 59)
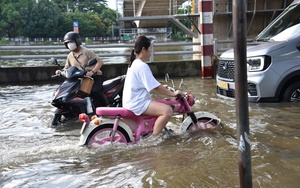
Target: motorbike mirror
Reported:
point(54, 61)
point(182, 85)
point(167, 77)
point(92, 62)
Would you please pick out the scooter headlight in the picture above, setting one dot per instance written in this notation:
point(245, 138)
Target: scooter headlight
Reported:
point(258, 63)
point(191, 99)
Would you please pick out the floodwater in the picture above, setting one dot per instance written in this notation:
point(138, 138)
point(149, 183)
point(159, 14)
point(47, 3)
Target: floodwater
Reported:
point(35, 155)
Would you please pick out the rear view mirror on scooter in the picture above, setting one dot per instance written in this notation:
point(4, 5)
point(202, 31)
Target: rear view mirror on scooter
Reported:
point(167, 78)
point(55, 62)
point(92, 62)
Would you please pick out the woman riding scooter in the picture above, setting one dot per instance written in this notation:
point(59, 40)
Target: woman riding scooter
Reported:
point(79, 57)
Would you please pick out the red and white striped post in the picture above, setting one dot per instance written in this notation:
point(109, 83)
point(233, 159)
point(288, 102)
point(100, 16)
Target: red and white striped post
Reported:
point(206, 37)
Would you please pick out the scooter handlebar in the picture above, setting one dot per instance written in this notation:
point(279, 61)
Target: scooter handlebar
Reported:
point(170, 88)
point(89, 77)
point(179, 95)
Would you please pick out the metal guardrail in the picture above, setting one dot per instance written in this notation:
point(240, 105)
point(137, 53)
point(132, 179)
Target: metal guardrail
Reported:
point(154, 53)
point(95, 46)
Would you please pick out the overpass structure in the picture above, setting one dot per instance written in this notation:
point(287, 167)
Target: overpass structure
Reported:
point(155, 16)
point(151, 13)
point(151, 17)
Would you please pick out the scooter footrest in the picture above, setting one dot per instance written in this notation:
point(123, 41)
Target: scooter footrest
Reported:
point(114, 111)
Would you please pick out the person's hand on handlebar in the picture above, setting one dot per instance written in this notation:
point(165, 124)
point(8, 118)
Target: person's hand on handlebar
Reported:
point(89, 73)
point(57, 72)
point(177, 93)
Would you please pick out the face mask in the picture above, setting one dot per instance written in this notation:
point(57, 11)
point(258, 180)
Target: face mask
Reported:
point(72, 46)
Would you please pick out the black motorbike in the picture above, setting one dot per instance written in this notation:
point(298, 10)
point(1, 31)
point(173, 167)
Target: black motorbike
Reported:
point(72, 97)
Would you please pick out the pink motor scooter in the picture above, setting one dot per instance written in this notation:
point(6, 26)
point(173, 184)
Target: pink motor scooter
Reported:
point(117, 124)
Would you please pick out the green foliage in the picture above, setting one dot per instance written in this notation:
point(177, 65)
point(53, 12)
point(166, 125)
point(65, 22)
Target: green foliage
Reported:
point(88, 41)
point(44, 18)
point(4, 41)
point(178, 33)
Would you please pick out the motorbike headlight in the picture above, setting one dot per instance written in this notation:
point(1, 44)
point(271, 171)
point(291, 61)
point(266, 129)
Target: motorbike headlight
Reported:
point(258, 63)
point(191, 99)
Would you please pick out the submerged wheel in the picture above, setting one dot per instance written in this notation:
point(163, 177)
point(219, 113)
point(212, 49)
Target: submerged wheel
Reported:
point(202, 124)
point(102, 135)
point(55, 120)
point(292, 93)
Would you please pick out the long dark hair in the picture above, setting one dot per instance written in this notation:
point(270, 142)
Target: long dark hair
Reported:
point(140, 43)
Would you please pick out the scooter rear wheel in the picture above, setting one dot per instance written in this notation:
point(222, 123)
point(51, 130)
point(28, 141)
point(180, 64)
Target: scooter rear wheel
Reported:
point(203, 124)
point(102, 135)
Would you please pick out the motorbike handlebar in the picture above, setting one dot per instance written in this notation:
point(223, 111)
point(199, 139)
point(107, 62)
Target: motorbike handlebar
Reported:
point(171, 89)
point(89, 77)
point(178, 95)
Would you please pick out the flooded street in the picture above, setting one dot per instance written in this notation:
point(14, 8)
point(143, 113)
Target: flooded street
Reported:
point(35, 155)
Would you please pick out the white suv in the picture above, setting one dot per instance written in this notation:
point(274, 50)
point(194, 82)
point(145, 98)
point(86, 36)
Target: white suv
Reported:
point(273, 62)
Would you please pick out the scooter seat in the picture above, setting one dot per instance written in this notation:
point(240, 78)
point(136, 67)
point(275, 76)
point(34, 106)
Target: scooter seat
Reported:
point(108, 84)
point(114, 111)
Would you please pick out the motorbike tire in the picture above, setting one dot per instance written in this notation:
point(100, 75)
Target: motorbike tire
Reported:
point(101, 135)
point(55, 120)
point(205, 123)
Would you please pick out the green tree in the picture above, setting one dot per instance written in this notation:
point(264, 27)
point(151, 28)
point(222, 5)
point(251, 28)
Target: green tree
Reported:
point(89, 23)
point(43, 20)
point(108, 17)
point(81, 5)
point(13, 16)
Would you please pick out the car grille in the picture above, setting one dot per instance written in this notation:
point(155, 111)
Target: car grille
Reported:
point(227, 93)
point(226, 69)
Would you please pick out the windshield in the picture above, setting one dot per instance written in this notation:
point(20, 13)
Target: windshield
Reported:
point(288, 18)
point(286, 34)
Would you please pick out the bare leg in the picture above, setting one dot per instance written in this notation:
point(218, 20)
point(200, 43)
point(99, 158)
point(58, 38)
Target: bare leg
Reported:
point(164, 113)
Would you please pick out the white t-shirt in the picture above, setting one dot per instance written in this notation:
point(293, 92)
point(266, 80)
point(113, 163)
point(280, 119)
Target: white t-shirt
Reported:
point(138, 84)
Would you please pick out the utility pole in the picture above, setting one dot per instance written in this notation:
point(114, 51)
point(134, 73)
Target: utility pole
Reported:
point(239, 9)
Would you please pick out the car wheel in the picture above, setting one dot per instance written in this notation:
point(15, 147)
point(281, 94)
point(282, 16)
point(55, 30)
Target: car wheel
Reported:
point(292, 93)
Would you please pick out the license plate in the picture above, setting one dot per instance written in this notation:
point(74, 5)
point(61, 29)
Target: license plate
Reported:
point(223, 85)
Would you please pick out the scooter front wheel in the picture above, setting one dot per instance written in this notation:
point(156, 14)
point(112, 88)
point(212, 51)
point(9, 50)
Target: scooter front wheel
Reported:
point(202, 124)
point(55, 119)
point(103, 135)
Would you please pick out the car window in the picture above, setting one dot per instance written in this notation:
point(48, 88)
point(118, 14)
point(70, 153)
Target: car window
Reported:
point(287, 33)
point(288, 18)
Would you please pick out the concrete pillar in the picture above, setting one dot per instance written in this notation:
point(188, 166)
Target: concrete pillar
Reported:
point(206, 37)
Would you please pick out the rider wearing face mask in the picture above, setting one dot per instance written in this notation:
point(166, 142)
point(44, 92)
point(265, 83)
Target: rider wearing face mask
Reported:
point(79, 57)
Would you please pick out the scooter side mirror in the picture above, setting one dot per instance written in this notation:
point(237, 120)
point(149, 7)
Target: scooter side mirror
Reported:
point(54, 61)
point(167, 77)
point(92, 62)
point(182, 85)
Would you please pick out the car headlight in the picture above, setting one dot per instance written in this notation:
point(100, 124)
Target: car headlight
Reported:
point(258, 63)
